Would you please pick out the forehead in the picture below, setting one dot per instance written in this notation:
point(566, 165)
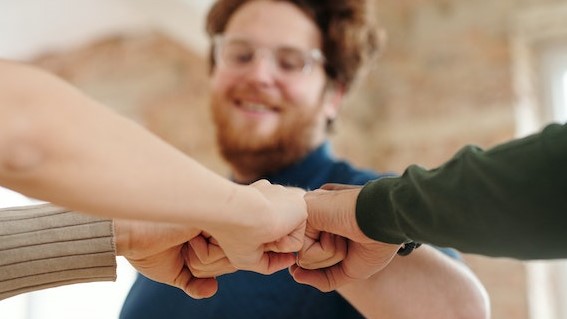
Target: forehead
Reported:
point(274, 23)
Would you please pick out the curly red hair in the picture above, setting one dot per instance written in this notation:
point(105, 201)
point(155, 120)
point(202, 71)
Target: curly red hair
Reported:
point(350, 38)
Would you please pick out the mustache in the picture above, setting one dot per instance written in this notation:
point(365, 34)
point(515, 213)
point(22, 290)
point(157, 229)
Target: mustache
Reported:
point(253, 93)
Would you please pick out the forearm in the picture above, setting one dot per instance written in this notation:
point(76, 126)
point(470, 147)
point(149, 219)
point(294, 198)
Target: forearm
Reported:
point(44, 246)
point(425, 284)
point(60, 146)
point(489, 202)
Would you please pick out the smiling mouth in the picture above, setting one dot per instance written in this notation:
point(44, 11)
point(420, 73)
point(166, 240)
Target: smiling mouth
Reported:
point(255, 107)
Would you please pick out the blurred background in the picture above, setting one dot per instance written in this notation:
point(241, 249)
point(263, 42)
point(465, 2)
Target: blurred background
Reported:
point(453, 72)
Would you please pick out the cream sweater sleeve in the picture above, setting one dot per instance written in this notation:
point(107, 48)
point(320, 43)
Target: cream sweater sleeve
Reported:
point(43, 246)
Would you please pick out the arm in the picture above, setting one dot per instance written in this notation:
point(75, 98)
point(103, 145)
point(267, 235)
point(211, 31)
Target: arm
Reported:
point(60, 146)
point(507, 201)
point(43, 246)
point(508, 191)
point(424, 284)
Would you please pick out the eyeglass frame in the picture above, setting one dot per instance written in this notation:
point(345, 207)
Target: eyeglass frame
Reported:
point(311, 57)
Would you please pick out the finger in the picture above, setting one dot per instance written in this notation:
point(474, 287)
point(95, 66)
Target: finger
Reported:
point(336, 186)
point(297, 190)
point(311, 239)
point(206, 251)
point(328, 251)
point(323, 279)
point(195, 287)
point(209, 238)
point(290, 243)
point(217, 268)
point(213, 241)
point(199, 269)
point(261, 183)
point(272, 262)
point(311, 233)
point(199, 288)
point(336, 246)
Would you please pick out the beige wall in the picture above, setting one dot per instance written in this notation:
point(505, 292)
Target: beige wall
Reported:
point(444, 80)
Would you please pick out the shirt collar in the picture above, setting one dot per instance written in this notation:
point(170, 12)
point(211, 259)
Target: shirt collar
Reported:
point(301, 173)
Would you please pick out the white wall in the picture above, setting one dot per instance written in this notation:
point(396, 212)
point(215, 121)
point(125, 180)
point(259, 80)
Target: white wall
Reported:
point(31, 27)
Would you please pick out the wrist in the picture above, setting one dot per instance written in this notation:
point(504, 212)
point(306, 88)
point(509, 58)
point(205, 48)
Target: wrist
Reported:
point(120, 236)
point(374, 214)
point(243, 213)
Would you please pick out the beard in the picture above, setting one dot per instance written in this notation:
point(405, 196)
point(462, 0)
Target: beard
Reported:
point(253, 155)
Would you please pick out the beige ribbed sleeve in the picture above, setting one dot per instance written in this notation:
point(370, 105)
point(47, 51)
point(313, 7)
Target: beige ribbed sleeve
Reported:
point(43, 246)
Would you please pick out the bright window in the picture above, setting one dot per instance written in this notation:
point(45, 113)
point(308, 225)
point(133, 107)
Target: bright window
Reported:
point(554, 79)
point(548, 279)
point(564, 102)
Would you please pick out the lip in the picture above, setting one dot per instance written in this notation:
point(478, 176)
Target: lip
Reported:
point(255, 107)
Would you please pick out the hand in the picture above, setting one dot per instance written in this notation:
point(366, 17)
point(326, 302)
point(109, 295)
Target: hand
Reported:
point(158, 250)
point(321, 249)
point(265, 238)
point(206, 259)
point(333, 211)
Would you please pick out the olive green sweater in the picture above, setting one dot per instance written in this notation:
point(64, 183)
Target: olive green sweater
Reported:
point(46, 246)
point(508, 201)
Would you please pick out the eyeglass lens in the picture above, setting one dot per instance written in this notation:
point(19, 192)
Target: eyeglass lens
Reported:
point(239, 53)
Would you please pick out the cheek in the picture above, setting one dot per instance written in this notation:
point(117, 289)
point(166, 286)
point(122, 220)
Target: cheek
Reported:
point(304, 93)
point(221, 82)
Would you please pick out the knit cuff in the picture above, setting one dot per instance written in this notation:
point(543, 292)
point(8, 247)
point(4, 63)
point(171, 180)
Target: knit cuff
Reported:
point(44, 246)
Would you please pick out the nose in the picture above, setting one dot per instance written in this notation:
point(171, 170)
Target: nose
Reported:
point(262, 70)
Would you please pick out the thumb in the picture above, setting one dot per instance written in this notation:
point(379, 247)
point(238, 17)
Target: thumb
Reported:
point(334, 211)
point(336, 186)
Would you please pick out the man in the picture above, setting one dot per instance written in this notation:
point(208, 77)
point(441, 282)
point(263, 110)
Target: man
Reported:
point(279, 72)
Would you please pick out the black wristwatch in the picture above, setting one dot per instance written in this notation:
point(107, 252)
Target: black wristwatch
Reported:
point(407, 248)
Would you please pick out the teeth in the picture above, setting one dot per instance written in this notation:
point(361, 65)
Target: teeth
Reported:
point(256, 107)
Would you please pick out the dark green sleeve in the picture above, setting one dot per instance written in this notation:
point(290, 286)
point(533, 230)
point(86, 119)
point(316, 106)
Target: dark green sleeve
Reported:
point(509, 201)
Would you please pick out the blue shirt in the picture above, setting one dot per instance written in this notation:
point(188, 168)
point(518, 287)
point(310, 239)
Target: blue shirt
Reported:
point(245, 295)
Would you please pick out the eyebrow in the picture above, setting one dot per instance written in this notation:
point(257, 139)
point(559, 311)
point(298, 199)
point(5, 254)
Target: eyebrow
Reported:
point(243, 39)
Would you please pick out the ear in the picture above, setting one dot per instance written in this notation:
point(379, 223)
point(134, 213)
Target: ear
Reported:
point(332, 100)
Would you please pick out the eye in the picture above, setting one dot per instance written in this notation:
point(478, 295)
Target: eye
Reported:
point(237, 53)
point(290, 60)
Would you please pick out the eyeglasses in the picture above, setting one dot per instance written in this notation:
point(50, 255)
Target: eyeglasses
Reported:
point(238, 54)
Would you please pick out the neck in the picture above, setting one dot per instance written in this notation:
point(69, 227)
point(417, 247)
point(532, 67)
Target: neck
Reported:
point(248, 169)
point(243, 177)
